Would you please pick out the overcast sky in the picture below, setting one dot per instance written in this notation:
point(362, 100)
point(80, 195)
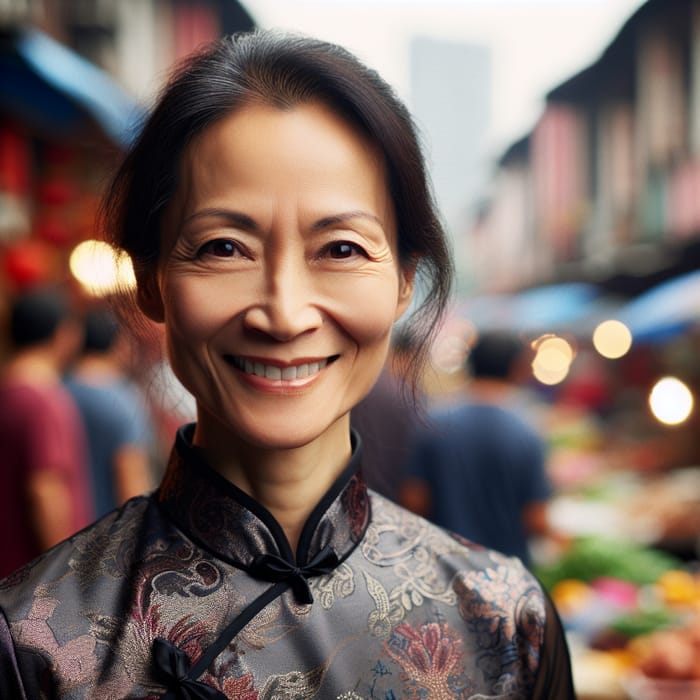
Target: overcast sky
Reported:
point(535, 44)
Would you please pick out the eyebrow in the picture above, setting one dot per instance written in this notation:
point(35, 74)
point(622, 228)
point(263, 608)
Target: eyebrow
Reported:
point(237, 218)
point(334, 220)
point(246, 222)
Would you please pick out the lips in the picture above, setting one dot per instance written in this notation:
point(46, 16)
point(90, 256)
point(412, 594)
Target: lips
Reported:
point(275, 372)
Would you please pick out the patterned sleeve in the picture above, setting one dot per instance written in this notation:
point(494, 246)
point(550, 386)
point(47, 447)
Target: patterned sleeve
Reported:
point(554, 676)
point(11, 686)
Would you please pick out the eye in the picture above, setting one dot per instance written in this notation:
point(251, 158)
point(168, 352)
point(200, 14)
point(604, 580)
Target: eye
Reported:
point(343, 250)
point(220, 248)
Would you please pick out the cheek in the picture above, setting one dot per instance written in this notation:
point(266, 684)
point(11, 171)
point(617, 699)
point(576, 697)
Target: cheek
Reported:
point(367, 310)
point(192, 310)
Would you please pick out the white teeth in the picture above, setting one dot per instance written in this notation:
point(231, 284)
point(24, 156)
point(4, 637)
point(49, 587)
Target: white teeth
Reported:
point(278, 373)
point(289, 373)
point(272, 372)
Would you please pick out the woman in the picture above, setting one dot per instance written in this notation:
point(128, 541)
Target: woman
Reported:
point(276, 211)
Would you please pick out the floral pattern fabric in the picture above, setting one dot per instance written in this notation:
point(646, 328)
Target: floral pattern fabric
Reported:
point(401, 610)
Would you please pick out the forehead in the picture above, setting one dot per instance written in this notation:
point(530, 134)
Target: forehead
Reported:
point(303, 132)
point(259, 154)
point(265, 149)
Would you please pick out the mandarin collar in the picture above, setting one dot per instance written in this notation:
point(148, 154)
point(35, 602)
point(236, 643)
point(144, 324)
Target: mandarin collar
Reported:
point(224, 520)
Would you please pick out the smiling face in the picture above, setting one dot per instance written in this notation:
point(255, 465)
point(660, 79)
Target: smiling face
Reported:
point(279, 281)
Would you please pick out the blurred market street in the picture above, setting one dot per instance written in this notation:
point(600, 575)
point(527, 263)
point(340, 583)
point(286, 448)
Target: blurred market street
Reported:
point(581, 236)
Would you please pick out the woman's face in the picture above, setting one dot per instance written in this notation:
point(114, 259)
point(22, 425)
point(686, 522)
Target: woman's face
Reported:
point(279, 281)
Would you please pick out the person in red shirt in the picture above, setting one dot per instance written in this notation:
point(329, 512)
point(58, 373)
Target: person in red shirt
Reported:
point(45, 495)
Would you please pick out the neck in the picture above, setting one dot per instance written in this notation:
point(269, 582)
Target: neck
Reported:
point(35, 366)
point(287, 482)
point(489, 389)
point(97, 368)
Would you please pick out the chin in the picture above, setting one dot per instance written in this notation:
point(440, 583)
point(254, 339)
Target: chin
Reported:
point(289, 434)
point(282, 441)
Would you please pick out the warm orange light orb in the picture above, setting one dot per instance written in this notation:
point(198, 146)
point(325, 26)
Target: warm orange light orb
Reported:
point(612, 339)
point(671, 401)
point(100, 269)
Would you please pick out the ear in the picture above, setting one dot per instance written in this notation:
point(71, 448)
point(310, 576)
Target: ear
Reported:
point(148, 296)
point(407, 274)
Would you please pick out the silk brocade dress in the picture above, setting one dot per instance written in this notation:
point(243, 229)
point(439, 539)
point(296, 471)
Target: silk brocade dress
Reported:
point(193, 592)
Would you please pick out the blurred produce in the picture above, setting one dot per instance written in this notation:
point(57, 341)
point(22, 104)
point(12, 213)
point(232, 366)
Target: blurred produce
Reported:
point(669, 654)
point(632, 613)
point(594, 557)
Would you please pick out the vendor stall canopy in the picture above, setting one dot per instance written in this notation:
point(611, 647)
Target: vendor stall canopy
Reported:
point(666, 310)
point(52, 89)
point(544, 309)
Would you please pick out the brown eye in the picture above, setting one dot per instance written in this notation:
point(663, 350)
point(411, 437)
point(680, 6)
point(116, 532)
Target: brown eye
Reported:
point(220, 248)
point(344, 250)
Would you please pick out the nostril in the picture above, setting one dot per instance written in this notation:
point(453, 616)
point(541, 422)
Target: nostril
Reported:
point(282, 322)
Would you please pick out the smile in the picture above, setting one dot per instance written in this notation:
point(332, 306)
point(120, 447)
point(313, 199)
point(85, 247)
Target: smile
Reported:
point(275, 372)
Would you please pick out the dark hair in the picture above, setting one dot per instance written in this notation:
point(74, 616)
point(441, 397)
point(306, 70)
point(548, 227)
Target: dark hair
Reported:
point(494, 355)
point(36, 314)
point(101, 330)
point(282, 70)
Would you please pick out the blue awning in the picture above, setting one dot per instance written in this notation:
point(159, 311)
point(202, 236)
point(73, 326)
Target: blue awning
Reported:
point(544, 309)
point(665, 310)
point(54, 89)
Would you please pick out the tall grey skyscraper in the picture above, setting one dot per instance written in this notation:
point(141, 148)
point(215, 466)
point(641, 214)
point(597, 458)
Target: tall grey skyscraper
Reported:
point(451, 101)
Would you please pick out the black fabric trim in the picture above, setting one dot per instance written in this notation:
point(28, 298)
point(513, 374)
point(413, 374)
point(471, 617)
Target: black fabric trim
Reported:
point(333, 492)
point(235, 626)
point(554, 674)
point(11, 685)
point(196, 456)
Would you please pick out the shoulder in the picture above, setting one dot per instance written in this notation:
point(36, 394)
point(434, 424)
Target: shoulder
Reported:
point(485, 590)
point(79, 566)
point(25, 395)
point(470, 564)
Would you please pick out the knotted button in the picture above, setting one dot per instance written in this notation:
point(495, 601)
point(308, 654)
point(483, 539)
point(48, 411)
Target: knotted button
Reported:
point(270, 567)
point(172, 666)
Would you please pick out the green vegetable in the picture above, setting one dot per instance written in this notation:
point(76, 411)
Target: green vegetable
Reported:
point(595, 556)
point(643, 622)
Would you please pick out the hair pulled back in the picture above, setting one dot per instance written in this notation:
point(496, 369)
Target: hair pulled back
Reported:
point(282, 70)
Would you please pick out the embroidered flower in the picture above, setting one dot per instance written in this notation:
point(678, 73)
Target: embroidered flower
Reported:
point(430, 656)
point(487, 599)
point(242, 688)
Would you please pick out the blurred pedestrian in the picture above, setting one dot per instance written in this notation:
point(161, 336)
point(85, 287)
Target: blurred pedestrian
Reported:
point(119, 429)
point(479, 469)
point(45, 492)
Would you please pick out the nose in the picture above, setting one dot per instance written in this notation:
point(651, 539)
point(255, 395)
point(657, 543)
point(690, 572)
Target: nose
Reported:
point(288, 305)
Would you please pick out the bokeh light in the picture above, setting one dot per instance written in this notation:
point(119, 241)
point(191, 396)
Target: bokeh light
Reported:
point(99, 269)
point(553, 358)
point(612, 339)
point(671, 401)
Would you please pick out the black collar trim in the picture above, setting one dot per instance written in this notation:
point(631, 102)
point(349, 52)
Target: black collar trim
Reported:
point(226, 521)
point(191, 483)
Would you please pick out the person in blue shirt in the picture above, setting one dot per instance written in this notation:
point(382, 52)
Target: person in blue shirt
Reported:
point(479, 468)
point(115, 414)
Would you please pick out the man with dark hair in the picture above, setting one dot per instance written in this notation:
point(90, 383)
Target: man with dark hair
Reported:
point(479, 470)
point(45, 494)
point(494, 355)
point(114, 411)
